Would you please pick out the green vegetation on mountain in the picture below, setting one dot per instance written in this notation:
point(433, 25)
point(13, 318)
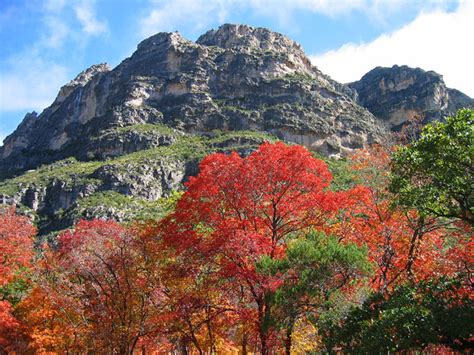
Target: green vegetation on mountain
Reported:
point(186, 147)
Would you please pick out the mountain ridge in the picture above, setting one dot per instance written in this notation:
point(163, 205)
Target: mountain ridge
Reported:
point(398, 93)
point(119, 141)
point(268, 84)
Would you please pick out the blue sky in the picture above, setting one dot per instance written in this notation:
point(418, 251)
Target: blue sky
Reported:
point(45, 43)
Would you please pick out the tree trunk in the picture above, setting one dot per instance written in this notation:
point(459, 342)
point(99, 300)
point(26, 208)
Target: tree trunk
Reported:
point(261, 329)
point(288, 342)
point(244, 341)
point(417, 233)
point(183, 346)
point(289, 334)
point(212, 342)
point(263, 343)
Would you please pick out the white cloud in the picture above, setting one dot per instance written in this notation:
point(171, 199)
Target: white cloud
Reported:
point(30, 79)
point(284, 8)
point(169, 15)
point(31, 83)
point(56, 34)
point(437, 40)
point(164, 15)
point(86, 15)
point(201, 14)
point(55, 29)
point(54, 5)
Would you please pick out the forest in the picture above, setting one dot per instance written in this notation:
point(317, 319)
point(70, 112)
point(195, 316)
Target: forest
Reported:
point(268, 253)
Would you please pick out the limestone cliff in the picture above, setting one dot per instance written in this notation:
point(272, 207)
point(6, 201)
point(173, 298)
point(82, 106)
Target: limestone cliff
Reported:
point(233, 78)
point(115, 142)
point(398, 93)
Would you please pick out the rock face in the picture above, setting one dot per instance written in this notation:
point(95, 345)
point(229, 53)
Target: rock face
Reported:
point(233, 78)
point(398, 93)
point(116, 143)
point(144, 165)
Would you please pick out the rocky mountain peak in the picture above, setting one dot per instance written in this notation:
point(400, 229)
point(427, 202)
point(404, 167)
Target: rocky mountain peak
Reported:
point(85, 76)
point(288, 56)
point(398, 93)
point(238, 36)
point(398, 78)
point(81, 80)
point(162, 41)
point(115, 141)
point(234, 78)
point(19, 139)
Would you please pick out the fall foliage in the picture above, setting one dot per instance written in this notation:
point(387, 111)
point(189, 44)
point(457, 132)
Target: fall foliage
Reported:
point(16, 253)
point(259, 255)
point(240, 210)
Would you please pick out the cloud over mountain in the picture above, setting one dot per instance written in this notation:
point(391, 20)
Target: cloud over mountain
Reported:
point(437, 40)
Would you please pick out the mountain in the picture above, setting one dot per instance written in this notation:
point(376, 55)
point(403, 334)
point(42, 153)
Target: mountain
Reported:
point(116, 143)
point(234, 78)
point(395, 94)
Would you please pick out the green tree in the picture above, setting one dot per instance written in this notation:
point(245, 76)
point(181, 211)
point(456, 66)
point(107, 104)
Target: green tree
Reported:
point(315, 268)
point(435, 312)
point(435, 174)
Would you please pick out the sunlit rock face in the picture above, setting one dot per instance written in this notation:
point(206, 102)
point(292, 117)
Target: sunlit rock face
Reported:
point(399, 93)
point(234, 78)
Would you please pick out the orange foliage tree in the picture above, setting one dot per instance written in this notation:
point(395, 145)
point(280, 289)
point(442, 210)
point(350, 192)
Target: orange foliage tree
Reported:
point(404, 245)
point(16, 252)
point(104, 286)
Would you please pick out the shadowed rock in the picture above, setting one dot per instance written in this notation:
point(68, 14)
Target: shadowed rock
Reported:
point(398, 93)
point(234, 78)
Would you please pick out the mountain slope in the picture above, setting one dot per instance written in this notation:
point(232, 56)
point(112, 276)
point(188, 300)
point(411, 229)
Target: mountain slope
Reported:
point(400, 92)
point(116, 142)
point(233, 78)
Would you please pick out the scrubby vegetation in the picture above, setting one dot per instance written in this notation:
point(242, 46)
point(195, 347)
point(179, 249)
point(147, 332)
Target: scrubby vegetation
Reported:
point(111, 204)
point(186, 147)
point(66, 170)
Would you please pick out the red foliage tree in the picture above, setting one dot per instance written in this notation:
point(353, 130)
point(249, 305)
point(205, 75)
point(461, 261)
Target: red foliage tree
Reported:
point(16, 252)
point(16, 244)
point(238, 210)
point(104, 284)
point(198, 313)
point(9, 326)
point(403, 245)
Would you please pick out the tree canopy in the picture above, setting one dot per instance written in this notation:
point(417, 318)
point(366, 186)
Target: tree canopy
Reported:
point(435, 174)
point(262, 254)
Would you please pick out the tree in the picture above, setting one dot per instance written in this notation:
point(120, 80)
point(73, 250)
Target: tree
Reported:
point(402, 243)
point(45, 328)
point(200, 312)
point(315, 267)
point(435, 174)
point(413, 318)
point(238, 210)
point(104, 283)
point(410, 249)
point(16, 253)
point(9, 326)
point(16, 246)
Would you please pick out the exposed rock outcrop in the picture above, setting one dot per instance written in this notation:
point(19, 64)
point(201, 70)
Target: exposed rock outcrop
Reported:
point(115, 142)
point(398, 93)
point(233, 78)
point(126, 185)
point(81, 80)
